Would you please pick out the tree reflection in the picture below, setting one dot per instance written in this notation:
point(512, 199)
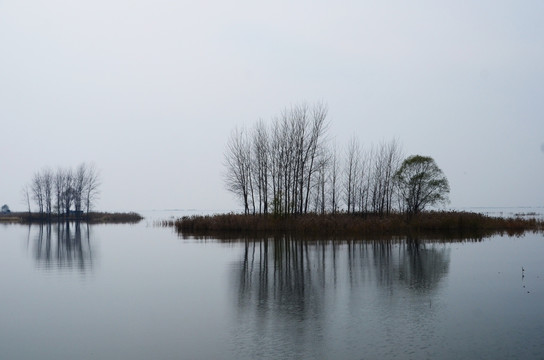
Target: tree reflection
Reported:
point(293, 288)
point(421, 267)
point(277, 269)
point(292, 274)
point(63, 246)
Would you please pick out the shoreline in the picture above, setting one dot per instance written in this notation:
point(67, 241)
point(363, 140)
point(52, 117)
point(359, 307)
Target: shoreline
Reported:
point(91, 218)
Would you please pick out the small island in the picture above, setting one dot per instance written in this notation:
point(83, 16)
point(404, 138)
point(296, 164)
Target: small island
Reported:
point(65, 194)
point(91, 218)
point(290, 178)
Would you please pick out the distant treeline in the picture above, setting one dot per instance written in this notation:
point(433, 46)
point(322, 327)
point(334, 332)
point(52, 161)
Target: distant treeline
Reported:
point(91, 217)
point(65, 192)
point(289, 166)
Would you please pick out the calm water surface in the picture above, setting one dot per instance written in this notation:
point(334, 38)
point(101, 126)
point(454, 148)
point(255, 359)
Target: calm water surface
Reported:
point(142, 292)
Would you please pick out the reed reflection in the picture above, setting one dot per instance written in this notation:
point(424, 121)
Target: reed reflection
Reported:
point(62, 245)
point(422, 267)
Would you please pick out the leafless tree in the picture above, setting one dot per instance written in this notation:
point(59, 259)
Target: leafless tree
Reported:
point(78, 187)
point(278, 163)
point(298, 119)
point(282, 164)
point(334, 169)
point(38, 193)
point(363, 180)
point(393, 160)
point(377, 180)
point(91, 190)
point(322, 180)
point(26, 197)
point(238, 167)
point(386, 161)
point(47, 179)
point(315, 147)
point(67, 188)
point(288, 168)
point(351, 173)
point(260, 163)
point(58, 183)
point(68, 191)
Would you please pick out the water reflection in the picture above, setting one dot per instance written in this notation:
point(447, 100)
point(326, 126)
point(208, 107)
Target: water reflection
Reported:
point(283, 282)
point(64, 246)
point(284, 269)
point(278, 273)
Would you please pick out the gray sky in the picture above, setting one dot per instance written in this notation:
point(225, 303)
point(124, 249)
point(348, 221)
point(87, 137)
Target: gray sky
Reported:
point(150, 90)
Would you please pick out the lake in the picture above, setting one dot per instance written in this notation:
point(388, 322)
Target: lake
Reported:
point(144, 292)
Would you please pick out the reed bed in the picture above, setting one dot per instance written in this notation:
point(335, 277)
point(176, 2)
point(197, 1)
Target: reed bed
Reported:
point(9, 219)
point(114, 218)
point(456, 224)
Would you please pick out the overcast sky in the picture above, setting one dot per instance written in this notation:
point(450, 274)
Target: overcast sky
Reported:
point(150, 90)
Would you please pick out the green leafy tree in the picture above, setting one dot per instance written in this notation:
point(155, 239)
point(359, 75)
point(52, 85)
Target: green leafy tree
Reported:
point(421, 183)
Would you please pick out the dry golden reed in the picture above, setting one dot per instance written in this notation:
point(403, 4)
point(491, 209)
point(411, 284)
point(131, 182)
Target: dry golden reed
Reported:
point(439, 222)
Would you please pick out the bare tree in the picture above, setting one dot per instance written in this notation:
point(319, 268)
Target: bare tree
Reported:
point(58, 183)
point(377, 181)
point(297, 138)
point(321, 181)
point(287, 168)
point(333, 178)
point(386, 161)
point(314, 147)
point(38, 193)
point(78, 187)
point(363, 181)
point(260, 162)
point(238, 167)
point(91, 189)
point(68, 191)
point(278, 163)
point(47, 179)
point(297, 126)
point(278, 156)
point(64, 187)
point(351, 171)
point(26, 197)
point(281, 164)
point(393, 160)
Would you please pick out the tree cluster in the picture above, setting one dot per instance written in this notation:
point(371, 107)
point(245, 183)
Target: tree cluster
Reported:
point(288, 166)
point(276, 168)
point(63, 191)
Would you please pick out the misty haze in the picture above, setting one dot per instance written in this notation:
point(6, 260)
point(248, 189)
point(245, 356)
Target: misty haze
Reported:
point(286, 180)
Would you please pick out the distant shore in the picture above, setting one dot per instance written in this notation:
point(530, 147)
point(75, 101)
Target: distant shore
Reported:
point(92, 218)
point(442, 223)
